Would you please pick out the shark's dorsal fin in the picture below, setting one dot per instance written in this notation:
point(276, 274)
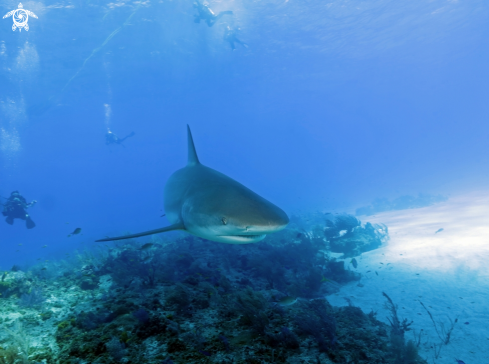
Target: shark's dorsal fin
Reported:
point(192, 154)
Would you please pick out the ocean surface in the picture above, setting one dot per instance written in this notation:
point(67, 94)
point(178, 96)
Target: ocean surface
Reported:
point(374, 109)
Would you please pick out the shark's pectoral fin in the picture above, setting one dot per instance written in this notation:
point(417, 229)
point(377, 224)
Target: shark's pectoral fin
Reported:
point(177, 226)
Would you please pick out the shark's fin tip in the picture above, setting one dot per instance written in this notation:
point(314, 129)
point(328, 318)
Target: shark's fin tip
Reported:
point(176, 226)
point(192, 153)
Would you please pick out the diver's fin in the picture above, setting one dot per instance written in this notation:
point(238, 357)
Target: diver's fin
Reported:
point(29, 223)
point(192, 154)
point(177, 226)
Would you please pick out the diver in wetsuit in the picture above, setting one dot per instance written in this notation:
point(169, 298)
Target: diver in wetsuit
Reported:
point(111, 138)
point(15, 207)
point(230, 36)
point(206, 14)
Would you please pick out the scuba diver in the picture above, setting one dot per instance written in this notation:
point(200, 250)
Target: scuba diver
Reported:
point(111, 138)
point(205, 13)
point(230, 36)
point(15, 207)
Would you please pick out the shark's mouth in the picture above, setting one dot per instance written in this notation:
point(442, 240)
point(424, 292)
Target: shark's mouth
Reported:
point(244, 237)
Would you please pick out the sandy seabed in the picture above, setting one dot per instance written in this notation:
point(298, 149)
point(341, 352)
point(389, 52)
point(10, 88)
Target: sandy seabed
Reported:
point(447, 271)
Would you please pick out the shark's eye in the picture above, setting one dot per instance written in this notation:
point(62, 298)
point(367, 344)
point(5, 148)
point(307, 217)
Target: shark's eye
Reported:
point(224, 220)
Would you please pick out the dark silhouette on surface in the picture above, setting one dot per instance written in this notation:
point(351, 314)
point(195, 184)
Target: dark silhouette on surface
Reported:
point(15, 208)
point(230, 36)
point(206, 14)
point(111, 138)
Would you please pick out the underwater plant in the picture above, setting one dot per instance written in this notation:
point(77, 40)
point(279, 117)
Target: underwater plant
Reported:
point(252, 307)
point(443, 333)
point(179, 299)
point(20, 347)
point(286, 338)
point(31, 299)
point(142, 315)
point(403, 353)
point(116, 349)
point(316, 319)
point(194, 339)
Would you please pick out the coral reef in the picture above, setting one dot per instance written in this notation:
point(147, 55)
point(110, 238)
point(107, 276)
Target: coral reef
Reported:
point(193, 301)
point(347, 235)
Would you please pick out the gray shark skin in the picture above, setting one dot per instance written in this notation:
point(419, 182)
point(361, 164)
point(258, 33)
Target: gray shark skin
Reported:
point(209, 204)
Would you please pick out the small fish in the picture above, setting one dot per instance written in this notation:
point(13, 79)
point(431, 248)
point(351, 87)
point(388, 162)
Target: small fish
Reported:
point(20, 244)
point(66, 222)
point(368, 271)
point(376, 273)
point(163, 215)
point(75, 232)
point(287, 301)
point(146, 246)
point(43, 268)
point(466, 323)
point(44, 246)
point(354, 263)
point(438, 231)
point(324, 279)
point(204, 352)
point(459, 361)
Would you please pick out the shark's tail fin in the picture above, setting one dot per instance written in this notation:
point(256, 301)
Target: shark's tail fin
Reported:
point(192, 154)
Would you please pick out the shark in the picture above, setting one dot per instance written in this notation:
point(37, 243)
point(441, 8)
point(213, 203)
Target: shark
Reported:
point(208, 204)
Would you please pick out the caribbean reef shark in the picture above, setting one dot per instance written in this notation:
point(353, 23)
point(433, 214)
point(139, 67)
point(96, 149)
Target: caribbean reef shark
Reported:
point(209, 204)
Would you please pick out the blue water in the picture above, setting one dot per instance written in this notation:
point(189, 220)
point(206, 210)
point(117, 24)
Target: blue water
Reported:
point(330, 106)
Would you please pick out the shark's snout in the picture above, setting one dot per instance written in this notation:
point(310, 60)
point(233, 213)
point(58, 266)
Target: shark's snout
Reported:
point(273, 222)
point(280, 221)
point(250, 228)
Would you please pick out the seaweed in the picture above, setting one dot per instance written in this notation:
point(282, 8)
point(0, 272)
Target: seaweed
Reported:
point(252, 307)
point(402, 352)
point(444, 333)
point(116, 349)
point(317, 320)
point(34, 298)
